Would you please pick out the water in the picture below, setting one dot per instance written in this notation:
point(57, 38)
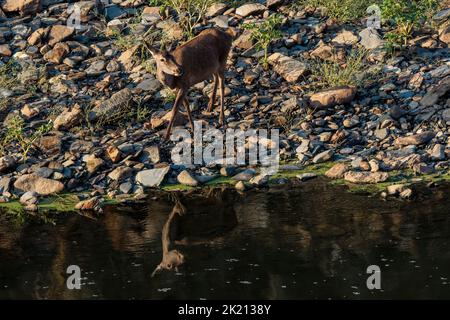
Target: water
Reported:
point(313, 241)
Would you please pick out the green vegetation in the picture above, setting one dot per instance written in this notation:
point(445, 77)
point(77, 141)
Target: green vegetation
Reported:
point(340, 10)
point(190, 13)
point(8, 74)
point(264, 32)
point(329, 74)
point(404, 16)
point(18, 136)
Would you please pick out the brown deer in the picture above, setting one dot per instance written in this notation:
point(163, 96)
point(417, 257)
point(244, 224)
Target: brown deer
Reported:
point(172, 259)
point(195, 61)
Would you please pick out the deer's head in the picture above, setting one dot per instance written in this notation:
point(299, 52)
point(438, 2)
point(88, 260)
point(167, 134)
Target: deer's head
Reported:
point(165, 62)
point(171, 260)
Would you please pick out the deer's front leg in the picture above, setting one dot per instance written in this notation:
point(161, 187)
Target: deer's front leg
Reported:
point(180, 97)
point(212, 99)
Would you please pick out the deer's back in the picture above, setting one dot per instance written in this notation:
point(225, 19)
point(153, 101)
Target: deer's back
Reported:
point(202, 56)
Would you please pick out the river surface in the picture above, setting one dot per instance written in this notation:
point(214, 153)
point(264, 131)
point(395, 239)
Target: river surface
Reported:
point(313, 241)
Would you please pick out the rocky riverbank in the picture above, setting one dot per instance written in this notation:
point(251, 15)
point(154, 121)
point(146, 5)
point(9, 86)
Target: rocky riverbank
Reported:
point(83, 113)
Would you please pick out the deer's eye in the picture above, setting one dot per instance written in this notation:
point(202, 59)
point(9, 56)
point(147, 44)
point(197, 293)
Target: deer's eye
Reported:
point(163, 59)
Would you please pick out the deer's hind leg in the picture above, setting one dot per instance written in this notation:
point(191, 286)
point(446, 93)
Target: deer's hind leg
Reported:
point(222, 95)
point(188, 110)
point(212, 99)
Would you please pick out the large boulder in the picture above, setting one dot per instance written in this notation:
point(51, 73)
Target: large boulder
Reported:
point(333, 97)
point(35, 183)
point(366, 177)
point(21, 6)
point(290, 69)
point(152, 177)
point(250, 9)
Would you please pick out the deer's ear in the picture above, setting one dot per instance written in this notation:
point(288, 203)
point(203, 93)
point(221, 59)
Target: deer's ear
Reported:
point(153, 51)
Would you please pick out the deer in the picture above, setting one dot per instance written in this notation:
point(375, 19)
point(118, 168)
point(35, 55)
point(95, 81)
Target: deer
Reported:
point(192, 62)
point(171, 259)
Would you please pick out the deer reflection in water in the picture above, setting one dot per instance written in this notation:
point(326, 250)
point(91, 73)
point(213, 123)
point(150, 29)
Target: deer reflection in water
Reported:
point(213, 215)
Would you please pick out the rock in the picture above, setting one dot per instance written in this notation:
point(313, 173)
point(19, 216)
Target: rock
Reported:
point(152, 177)
point(395, 189)
point(260, 180)
point(96, 68)
point(245, 175)
point(126, 187)
point(28, 198)
point(415, 139)
point(126, 58)
point(89, 204)
point(333, 97)
point(151, 154)
point(68, 118)
point(118, 101)
point(442, 15)
point(5, 50)
point(38, 36)
point(227, 171)
point(337, 171)
point(7, 163)
point(250, 9)
point(113, 153)
point(186, 178)
point(274, 3)
point(370, 39)
point(444, 34)
point(438, 152)
point(345, 37)
point(423, 168)
point(306, 176)
point(5, 182)
point(50, 144)
point(406, 194)
point(120, 173)
point(435, 93)
point(446, 115)
point(240, 186)
point(216, 9)
point(366, 177)
point(92, 163)
point(244, 41)
point(220, 21)
point(290, 69)
point(150, 85)
point(59, 33)
point(57, 54)
point(159, 119)
point(42, 186)
point(323, 156)
point(43, 172)
point(22, 6)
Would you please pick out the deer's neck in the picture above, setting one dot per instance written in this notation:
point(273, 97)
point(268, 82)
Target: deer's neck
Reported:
point(166, 79)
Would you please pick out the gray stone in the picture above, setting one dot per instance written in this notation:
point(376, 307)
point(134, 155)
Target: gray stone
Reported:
point(120, 173)
point(323, 156)
point(7, 163)
point(28, 198)
point(250, 9)
point(245, 175)
point(306, 176)
point(415, 139)
point(370, 39)
point(152, 177)
point(290, 69)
